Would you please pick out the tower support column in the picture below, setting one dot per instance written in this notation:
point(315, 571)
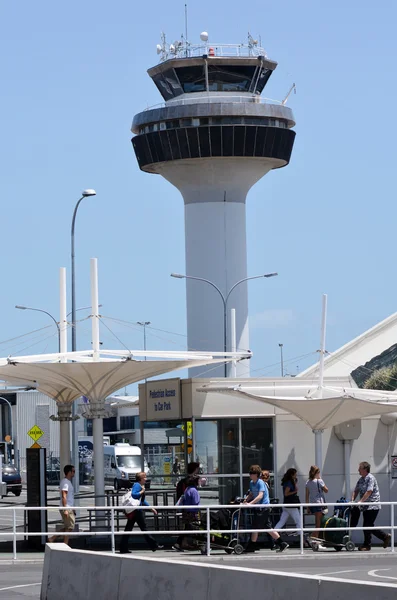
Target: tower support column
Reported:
point(214, 193)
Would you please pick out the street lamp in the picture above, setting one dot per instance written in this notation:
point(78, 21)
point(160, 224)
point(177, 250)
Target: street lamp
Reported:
point(144, 324)
point(46, 313)
point(75, 454)
point(84, 194)
point(281, 359)
point(224, 297)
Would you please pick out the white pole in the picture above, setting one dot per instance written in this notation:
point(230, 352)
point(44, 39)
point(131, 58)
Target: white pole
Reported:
point(347, 447)
point(64, 426)
point(97, 434)
point(322, 342)
point(62, 312)
point(318, 433)
point(233, 340)
point(97, 421)
point(94, 304)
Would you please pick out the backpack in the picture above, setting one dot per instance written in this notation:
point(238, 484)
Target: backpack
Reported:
point(181, 486)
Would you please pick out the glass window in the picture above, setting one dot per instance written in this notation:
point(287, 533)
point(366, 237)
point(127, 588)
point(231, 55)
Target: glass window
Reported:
point(230, 78)
point(218, 490)
point(168, 84)
point(257, 443)
point(192, 79)
point(217, 446)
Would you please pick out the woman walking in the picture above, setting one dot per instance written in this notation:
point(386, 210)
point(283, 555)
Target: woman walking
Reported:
point(290, 492)
point(138, 516)
point(315, 490)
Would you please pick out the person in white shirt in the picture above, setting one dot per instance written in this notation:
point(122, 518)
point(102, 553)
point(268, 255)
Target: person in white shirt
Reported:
point(66, 502)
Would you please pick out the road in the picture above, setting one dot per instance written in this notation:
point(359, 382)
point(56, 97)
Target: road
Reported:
point(20, 580)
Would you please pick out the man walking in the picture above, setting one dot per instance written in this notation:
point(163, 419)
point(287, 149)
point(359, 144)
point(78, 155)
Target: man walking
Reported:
point(368, 491)
point(66, 503)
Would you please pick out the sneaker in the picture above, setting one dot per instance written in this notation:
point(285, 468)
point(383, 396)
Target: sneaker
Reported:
point(283, 546)
point(386, 541)
point(365, 548)
point(177, 548)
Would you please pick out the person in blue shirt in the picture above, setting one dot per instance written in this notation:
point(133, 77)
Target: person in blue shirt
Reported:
point(190, 518)
point(138, 516)
point(259, 494)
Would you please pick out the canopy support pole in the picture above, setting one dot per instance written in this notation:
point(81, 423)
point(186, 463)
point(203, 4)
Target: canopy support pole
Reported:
point(347, 448)
point(64, 414)
point(233, 364)
point(318, 433)
point(98, 409)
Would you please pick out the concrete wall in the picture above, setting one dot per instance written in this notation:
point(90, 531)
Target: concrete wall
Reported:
point(84, 575)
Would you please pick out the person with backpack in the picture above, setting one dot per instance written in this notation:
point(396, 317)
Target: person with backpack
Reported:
point(290, 492)
point(190, 518)
point(192, 469)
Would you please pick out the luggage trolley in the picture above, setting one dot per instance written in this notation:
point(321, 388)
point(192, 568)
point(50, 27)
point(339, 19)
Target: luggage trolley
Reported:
point(335, 539)
point(224, 518)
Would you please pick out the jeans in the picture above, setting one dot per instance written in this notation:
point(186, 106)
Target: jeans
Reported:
point(139, 518)
point(295, 515)
point(369, 518)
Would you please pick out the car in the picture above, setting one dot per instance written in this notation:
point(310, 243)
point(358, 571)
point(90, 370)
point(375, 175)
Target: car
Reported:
point(12, 477)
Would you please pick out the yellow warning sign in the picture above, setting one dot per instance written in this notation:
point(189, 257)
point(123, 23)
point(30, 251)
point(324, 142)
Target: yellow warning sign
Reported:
point(35, 445)
point(35, 433)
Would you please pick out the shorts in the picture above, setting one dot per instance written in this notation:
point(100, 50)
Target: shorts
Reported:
point(68, 520)
point(315, 509)
point(261, 519)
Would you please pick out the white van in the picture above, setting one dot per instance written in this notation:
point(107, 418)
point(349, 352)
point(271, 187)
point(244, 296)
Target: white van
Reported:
point(122, 462)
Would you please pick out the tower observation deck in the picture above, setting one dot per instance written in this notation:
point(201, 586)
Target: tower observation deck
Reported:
point(213, 138)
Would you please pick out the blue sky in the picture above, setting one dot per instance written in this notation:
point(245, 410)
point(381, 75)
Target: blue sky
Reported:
point(74, 75)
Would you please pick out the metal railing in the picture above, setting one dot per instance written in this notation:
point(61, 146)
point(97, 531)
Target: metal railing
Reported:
point(106, 518)
point(213, 98)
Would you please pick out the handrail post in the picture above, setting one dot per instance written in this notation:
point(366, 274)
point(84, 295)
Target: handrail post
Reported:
point(14, 534)
point(113, 541)
point(301, 531)
point(208, 533)
point(392, 526)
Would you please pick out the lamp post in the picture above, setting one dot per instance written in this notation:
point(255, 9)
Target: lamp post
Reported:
point(11, 426)
point(46, 313)
point(75, 453)
point(144, 324)
point(281, 359)
point(224, 297)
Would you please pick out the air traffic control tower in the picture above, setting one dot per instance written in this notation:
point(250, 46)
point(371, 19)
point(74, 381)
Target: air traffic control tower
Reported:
point(213, 138)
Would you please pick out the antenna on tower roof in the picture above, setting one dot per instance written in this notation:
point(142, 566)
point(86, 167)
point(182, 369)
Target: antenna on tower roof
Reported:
point(186, 38)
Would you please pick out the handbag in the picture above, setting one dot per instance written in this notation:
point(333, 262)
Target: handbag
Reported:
point(324, 509)
point(129, 503)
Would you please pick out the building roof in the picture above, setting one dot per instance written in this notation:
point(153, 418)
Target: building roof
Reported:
point(358, 351)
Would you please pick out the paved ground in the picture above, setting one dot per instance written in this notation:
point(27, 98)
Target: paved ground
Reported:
point(21, 579)
point(375, 566)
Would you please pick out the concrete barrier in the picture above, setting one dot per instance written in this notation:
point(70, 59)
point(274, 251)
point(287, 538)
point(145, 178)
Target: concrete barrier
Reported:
point(83, 575)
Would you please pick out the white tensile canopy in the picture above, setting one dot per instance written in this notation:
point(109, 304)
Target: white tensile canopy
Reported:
point(67, 381)
point(96, 375)
point(318, 406)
